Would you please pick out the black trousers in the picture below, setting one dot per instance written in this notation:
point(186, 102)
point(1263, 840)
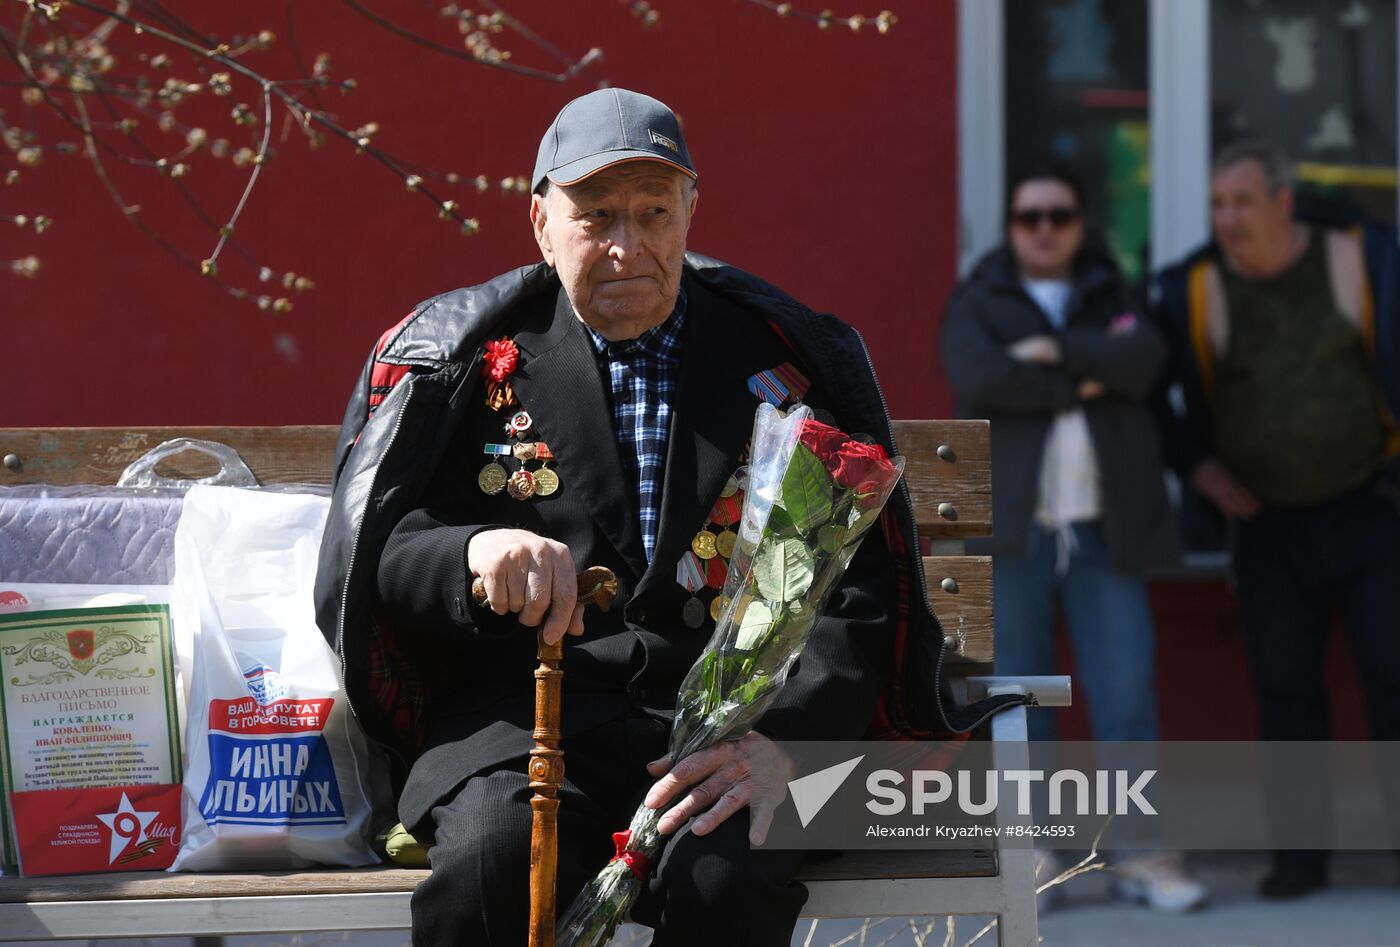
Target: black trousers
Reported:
point(1293, 567)
point(704, 891)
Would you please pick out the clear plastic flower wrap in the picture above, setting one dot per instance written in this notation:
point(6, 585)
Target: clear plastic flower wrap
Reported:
point(813, 492)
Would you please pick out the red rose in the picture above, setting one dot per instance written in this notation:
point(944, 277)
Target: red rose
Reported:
point(859, 466)
point(501, 357)
point(821, 439)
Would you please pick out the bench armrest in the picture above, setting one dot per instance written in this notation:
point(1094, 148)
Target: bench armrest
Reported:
point(1048, 690)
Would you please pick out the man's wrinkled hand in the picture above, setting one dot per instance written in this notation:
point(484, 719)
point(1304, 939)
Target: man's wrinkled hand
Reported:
point(530, 575)
point(752, 772)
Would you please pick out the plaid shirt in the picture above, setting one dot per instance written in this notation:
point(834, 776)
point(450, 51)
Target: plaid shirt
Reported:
point(644, 372)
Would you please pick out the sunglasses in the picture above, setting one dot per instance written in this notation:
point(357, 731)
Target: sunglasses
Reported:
point(1032, 217)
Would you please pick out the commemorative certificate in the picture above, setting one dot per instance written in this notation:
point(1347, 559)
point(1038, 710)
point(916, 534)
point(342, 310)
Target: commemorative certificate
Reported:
point(87, 699)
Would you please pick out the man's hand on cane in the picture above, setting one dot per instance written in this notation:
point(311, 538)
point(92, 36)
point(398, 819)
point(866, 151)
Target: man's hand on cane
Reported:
point(529, 574)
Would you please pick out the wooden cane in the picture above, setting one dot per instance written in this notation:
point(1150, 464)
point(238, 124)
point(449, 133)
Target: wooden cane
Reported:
point(546, 776)
point(596, 586)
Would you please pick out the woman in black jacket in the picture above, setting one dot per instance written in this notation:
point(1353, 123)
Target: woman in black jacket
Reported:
point(1043, 339)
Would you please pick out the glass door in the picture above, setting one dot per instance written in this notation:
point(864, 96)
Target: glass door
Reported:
point(1076, 92)
point(1319, 81)
point(1139, 93)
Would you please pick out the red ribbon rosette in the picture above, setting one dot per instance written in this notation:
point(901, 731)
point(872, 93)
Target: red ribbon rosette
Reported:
point(498, 363)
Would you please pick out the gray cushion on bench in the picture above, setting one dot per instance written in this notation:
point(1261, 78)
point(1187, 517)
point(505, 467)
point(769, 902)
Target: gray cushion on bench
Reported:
point(79, 535)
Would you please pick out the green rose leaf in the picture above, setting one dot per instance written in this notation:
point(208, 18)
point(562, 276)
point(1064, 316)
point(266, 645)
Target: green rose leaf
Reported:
point(806, 490)
point(783, 569)
point(758, 621)
point(830, 537)
point(780, 523)
point(751, 690)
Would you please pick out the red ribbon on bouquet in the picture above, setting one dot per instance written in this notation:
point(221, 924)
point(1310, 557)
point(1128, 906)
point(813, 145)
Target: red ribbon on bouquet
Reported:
point(636, 861)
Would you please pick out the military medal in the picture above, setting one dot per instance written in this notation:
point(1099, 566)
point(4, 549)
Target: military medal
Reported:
point(706, 563)
point(690, 573)
point(726, 512)
point(493, 477)
point(703, 544)
point(524, 450)
point(521, 485)
point(716, 570)
point(780, 386)
point(716, 607)
point(546, 480)
point(693, 613)
point(520, 422)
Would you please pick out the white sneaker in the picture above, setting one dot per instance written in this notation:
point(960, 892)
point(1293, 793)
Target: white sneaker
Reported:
point(1158, 880)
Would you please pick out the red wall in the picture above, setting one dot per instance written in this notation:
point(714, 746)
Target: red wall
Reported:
point(827, 160)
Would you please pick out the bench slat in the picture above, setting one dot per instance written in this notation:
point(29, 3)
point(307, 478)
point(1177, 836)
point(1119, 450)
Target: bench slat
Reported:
point(207, 920)
point(96, 455)
point(965, 480)
point(160, 885)
point(967, 613)
point(303, 454)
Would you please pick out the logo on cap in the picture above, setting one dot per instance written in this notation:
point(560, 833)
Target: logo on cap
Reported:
point(659, 139)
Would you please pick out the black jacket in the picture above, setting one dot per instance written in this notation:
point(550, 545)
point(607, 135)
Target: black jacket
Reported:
point(989, 311)
point(422, 385)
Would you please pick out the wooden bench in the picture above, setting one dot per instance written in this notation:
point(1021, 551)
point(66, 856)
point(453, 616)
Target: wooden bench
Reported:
point(949, 475)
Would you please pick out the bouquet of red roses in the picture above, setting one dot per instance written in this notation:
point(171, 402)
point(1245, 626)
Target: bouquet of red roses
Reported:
point(813, 492)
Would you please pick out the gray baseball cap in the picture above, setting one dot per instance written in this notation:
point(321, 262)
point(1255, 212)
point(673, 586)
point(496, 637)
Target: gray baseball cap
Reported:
point(607, 127)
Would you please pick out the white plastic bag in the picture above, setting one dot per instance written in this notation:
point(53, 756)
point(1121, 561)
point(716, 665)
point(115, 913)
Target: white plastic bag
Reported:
point(278, 772)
